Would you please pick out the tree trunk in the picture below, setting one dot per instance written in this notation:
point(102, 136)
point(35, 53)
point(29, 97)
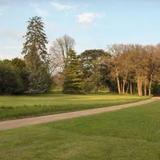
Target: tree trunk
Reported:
point(123, 86)
point(127, 88)
point(149, 88)
point(150, 85)
point(118, 85)
point(139, 86)
point(145, 88)
point(131, 88)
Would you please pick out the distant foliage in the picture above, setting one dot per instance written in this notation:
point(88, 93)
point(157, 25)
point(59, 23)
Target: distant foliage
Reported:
point(156, 88)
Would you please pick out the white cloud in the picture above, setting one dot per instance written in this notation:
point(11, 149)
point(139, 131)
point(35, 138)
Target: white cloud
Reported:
point(62, 7)
point(39, 11)
point(87, 18)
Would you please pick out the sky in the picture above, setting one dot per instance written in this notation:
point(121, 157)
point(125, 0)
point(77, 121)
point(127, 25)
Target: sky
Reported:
point(93, 24)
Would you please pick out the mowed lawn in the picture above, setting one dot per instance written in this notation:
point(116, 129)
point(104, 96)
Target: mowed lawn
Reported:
point(12, 107)
point(130, 134)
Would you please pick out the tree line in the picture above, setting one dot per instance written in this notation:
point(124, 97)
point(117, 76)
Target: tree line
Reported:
point(123, 69)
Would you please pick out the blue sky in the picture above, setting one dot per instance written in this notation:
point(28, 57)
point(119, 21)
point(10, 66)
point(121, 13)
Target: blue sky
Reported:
point(92, 23)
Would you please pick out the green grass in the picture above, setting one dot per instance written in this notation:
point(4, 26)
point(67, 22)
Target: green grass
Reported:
point(130, 134)
point(12, 107)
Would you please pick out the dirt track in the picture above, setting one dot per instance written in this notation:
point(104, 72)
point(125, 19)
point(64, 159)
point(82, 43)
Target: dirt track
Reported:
point(10, 124)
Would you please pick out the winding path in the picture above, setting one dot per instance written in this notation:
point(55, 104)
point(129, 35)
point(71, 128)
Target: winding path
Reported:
point(10, 124)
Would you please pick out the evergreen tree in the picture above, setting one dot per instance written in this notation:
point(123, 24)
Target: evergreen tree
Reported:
point(72, 75)
point(36, 56)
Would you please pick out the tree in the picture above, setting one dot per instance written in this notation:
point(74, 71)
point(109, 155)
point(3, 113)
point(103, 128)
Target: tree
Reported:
point(72, 75)
point(93, 68)
point(18, 63)
point(59, 52)
point(36, 40)
point(36, 56)
point(120, 66)
point(21, 69)
point(152, 66)
point(10, 80)
point(135, 68)
point(139, 67)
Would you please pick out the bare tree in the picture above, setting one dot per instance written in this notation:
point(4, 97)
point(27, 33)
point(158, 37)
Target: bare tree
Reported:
point(59, 51)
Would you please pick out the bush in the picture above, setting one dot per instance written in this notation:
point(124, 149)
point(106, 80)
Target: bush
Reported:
point(10, 80)
point(39, 82)
point(156, 89)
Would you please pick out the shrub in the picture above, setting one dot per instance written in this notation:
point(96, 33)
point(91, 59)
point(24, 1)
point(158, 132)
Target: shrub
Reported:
point(10, 80)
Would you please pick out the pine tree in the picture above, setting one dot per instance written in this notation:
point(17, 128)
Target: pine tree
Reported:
point(72, 75)
point(36, 56)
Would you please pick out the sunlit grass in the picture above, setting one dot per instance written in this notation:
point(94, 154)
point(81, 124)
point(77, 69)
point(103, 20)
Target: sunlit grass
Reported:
point(22, 106)
point(130, 134)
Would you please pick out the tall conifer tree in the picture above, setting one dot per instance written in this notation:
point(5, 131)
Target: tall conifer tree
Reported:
point(36, 56)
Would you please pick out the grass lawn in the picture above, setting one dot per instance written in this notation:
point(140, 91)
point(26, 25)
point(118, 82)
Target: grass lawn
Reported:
point(22, 106)
point(130, 134)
